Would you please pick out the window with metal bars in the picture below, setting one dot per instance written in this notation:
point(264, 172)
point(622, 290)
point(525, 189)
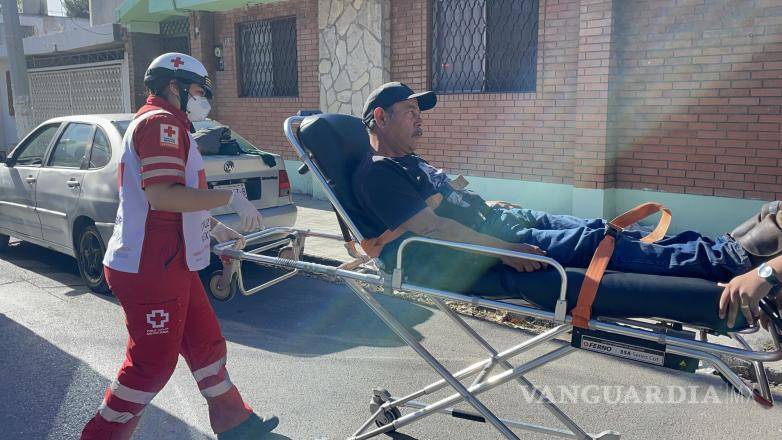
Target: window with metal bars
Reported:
point(175, 33)
point(268, 61)
point(484, 46)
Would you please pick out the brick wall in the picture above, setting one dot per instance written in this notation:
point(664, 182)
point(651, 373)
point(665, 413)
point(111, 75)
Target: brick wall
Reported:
point(202, 39)
point(593, 161)
point(680, 96)
point(507, 135)
point(141, 49)
point(697, 90)
point(260, 119)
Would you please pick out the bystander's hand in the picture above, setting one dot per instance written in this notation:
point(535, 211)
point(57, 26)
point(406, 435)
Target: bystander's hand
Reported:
point(744, 293)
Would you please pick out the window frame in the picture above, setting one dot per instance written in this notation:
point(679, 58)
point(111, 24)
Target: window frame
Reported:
point(98, 129)
point(241, 92)
point(53, 146)
point(19, 149)
point(431, 54)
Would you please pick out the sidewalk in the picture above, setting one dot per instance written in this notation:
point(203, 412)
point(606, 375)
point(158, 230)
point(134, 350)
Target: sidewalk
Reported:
point(318, 215)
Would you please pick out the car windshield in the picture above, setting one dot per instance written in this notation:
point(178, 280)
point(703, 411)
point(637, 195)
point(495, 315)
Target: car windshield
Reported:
point(244, 144)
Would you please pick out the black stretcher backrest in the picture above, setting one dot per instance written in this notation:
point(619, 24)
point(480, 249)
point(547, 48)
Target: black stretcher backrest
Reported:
point(337, 143)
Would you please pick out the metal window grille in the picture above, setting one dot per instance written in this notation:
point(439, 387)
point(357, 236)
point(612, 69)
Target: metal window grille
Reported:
point(268, 59)
point(80, 90)
point(175, 33)
point(37, 62)
point(480, 46)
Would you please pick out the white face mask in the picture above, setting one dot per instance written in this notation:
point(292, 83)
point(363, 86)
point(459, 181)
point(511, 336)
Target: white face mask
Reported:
point(197, 108)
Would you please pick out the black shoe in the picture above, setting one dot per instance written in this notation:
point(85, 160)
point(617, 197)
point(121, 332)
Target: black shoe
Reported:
point(254, 428)
point(761, 234)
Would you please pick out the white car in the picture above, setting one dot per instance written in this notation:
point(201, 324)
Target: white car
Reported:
point(58, 187)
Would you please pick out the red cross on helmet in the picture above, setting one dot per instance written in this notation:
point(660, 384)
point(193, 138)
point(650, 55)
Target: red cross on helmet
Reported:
point(178, 66)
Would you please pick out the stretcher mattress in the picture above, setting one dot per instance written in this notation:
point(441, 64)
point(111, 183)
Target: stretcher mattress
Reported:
point(691, 301)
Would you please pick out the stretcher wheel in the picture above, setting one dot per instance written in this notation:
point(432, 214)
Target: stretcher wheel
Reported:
point(384, 418)
point(220, 292)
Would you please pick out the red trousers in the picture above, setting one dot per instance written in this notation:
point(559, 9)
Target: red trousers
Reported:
point(167, 314)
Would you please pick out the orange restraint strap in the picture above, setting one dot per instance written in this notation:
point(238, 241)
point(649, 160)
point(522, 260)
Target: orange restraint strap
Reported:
point(597, 267)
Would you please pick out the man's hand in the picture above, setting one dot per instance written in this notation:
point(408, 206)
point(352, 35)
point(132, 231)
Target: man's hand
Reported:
point(743, 292)
point(223, 233)
point(521, 264)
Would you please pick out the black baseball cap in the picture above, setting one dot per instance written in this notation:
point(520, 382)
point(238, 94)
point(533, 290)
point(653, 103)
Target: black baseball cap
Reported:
point(390, 93)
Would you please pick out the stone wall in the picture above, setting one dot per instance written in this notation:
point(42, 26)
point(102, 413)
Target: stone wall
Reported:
point(354, 52)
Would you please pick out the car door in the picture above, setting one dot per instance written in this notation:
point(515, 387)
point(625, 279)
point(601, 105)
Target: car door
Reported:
point(59, 182)
point(18, 182)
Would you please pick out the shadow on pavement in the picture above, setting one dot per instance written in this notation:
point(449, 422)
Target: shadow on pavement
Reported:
point(306, 317)
point(49, 394)
point(302, 316)
point(43, 264)
point(44, 268)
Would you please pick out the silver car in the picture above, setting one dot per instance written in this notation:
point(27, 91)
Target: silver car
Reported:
point(58, 187)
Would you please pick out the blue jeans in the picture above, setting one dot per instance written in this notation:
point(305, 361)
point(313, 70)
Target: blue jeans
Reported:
point(572, 241)
point(501, 222)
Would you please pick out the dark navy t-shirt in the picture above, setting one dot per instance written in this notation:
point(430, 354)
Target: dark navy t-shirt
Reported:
point(393, 190)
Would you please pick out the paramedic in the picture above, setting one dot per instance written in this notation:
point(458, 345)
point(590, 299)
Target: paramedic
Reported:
point(160, 241)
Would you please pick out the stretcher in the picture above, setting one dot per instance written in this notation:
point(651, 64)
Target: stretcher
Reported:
point(670, 322)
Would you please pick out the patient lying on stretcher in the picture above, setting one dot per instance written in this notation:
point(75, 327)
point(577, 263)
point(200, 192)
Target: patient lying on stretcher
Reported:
point(403, 195)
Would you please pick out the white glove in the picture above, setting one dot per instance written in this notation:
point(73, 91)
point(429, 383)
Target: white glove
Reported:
point(251, 219)
point(223, 233)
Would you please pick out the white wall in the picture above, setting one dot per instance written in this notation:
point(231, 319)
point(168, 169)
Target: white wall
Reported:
point(34, 7)
point(102, 11)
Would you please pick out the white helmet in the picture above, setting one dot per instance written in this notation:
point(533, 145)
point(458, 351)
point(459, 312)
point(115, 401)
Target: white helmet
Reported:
point(178, 66)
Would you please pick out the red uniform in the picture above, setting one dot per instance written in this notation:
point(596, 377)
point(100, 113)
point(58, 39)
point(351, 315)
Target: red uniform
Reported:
point(166, 309)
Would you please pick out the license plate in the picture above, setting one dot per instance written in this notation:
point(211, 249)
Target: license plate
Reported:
point(237, 188)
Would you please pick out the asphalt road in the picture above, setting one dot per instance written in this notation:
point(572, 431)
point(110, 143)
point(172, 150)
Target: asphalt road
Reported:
point(311, 352)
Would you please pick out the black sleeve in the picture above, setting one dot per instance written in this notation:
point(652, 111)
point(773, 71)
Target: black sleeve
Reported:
point(389, 194)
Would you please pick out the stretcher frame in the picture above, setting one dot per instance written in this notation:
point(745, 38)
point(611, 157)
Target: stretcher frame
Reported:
point(362, 276)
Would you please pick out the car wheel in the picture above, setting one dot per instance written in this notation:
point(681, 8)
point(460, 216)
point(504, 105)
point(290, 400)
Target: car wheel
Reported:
point(89, 254)
point(4, 242)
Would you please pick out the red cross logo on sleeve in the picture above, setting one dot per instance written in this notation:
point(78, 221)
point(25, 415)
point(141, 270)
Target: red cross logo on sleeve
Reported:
point(177, 62)
point(169, 136)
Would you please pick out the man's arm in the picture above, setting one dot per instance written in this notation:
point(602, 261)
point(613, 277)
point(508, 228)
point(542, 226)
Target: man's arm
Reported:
point(502, 204)
point(429, 224)
point(389, 195)
point(745, 292)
